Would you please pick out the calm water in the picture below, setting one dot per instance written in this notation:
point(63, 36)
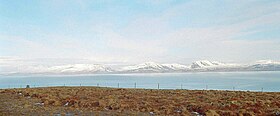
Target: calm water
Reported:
point(254, 81)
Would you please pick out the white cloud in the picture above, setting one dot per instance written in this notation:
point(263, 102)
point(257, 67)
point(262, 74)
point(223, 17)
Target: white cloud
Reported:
point(151, 37)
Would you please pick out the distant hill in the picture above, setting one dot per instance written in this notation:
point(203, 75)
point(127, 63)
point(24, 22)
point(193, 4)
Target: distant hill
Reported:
point(148, 67)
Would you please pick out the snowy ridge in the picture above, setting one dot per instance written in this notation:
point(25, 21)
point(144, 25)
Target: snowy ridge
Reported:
point(202, 65)
point(265, 65)
point(211, 64)
point(153, 67)
point(205, 63)
point(147, 67)
point(267, 62)
point(176, 66)
point(80, 68)
point(63, 69)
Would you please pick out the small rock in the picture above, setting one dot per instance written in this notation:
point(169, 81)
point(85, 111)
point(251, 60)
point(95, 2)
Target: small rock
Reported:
point(39, 104)
point(178, 111)
point(277, 113)
point(56, 114)
point(196, 114)
point(66, 104)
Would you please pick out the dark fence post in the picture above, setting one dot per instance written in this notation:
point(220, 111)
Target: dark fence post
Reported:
point(158, 85)
point(27, 86)
point(135, 85)
point(118, 85)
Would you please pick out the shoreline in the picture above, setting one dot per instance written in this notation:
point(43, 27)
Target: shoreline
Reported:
point(138, 88)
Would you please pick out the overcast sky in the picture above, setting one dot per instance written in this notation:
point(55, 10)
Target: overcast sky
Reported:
point(136, 31)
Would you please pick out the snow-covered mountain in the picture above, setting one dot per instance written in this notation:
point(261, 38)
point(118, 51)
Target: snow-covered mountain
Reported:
point(80, 68)
point(265, 65)
point(153, 67)
point(262, 65)
point(268, 62)
point(62, 69)
point(147, 67)
point(205, 65)
point(176, 66)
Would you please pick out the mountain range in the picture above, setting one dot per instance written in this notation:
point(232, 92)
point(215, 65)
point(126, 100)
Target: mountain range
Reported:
point(150, 67)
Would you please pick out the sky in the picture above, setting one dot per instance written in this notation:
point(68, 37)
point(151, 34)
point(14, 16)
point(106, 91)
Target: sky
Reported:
point(136, 31)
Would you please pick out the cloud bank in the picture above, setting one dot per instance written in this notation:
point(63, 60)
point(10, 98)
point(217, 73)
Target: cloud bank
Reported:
point(129, 32)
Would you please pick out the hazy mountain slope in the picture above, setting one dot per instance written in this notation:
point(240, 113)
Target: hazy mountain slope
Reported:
point(147, 67)
point(153, 67)
point(265, 65)
point(80, 68)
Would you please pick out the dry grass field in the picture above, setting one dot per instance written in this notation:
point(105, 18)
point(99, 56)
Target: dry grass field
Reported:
point(114, 101)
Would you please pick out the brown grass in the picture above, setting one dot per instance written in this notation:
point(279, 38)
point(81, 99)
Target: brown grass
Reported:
point(113, 101)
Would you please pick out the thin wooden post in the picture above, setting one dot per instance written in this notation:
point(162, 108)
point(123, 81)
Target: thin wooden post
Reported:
point(233, 88)
point(27, 86)
point(118, 85)
point(158, 86)
point(135, 85)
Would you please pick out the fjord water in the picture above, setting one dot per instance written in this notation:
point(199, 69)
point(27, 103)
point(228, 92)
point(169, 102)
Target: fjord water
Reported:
point(253, 81)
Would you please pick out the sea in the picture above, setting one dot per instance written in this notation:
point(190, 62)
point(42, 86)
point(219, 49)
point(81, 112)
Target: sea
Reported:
point(267, 81)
